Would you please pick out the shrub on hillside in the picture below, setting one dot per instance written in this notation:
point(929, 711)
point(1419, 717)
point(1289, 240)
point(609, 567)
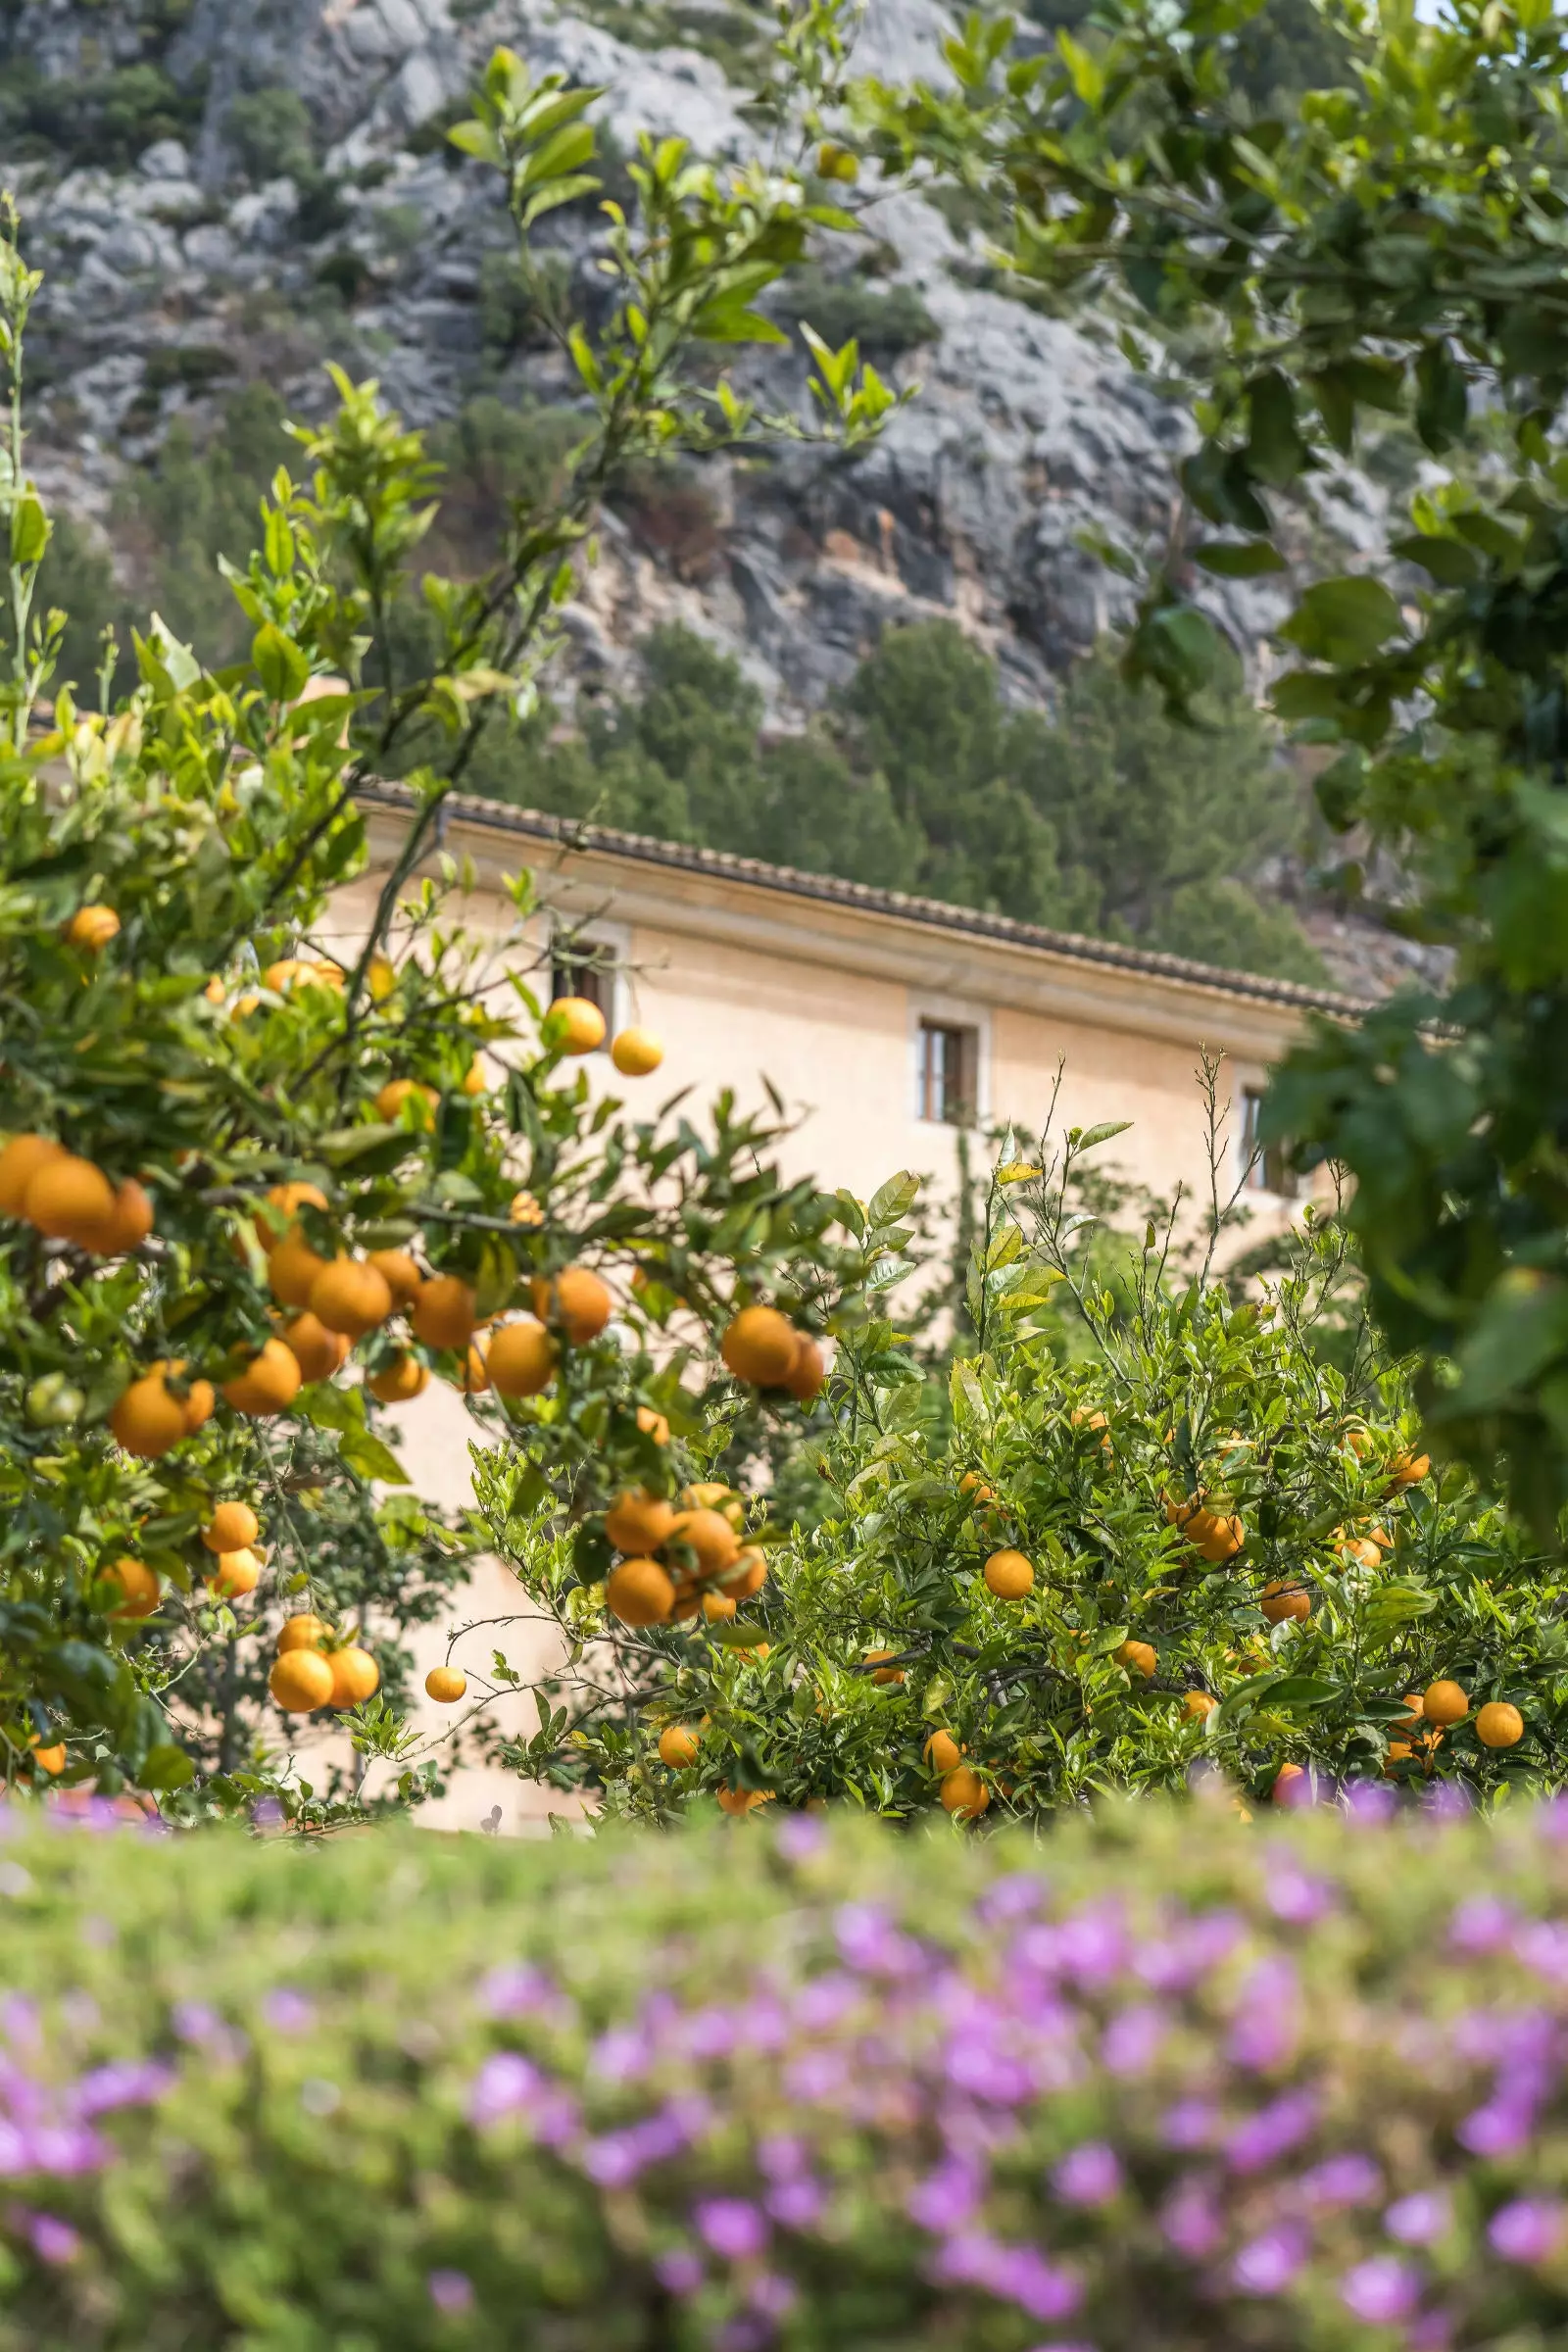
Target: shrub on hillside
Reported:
point(1174, 2084)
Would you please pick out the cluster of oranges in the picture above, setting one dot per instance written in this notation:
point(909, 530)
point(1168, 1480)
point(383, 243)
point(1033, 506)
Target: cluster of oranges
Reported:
point(312, 1670)
point(705, 1565)
point(68, 1199)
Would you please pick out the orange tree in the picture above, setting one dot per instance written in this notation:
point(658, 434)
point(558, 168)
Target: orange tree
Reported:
point(253, 1179)
point(1158, 1532)
point(1381, 262)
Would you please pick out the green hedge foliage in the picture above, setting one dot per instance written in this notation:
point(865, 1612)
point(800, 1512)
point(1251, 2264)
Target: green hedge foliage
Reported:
point(1166, 2081)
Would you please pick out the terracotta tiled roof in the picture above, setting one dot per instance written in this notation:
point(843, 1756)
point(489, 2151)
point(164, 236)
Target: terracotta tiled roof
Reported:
point(570, 833)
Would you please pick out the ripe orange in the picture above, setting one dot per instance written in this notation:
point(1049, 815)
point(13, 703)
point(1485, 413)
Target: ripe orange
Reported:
point(652, 1425)
point(148, 1419)
point(398, 1091)
point(355, 1676)
point(1407, 1470)
point(1139, 1657)
point(574, 1025)
point(1283, 1779)
point(138, 1586)
point(381, 978)
point(640, 1593)
point(404, 1377)
point(678, 1746)
point(475, 1081)
point(1282, 1599)
point(351, 1297)
point(748, 1575)
point(474, 1378)
point(20, 1163)
point(125, 1228)
point(1218, 1535)
point(974, 1487)
point(231, 1527)
point(317, 1352)
point(1008, 1575)
point(292, 1268)
point(807, 1374)
point(300, 1633)
point(740, 1802)
point(964, 1793)
point(1444, 1702)
point(522, 1361)
point(200, 1405)
point(281, 976)
point(281, 1202)
point(446, 1686)
point(236, 1574)
point(1499, 1725)
point(636, 1053)
point(92, 927)
point(51, 1760)
point(301, 1681)
point(1084, 1418)
point(269, 1384)
point(399, 1272)
point(1361, 1551)
point(525, 1209)
point(1198, 1705)
point(709, 1537)
point(943, 1753)
point(639, 1522)
point(718, 1608)
point(443, 1315)
point(884, 1673)
point(68, 1199)
point(575, 1301)
point(760, 1345)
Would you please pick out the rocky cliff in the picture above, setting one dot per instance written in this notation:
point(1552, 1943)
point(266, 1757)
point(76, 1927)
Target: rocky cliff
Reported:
point(222, 195)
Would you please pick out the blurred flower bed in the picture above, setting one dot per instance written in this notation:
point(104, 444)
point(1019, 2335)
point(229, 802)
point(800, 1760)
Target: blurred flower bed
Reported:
point(1165, 2080)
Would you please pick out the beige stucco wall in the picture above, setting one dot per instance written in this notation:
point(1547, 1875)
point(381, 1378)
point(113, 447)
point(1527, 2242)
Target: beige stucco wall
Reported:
point(744, 983)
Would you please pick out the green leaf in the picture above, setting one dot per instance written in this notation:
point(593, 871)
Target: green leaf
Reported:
point(1276, 453)
point(1302, 1691)
point(1244, 561)
point(30, 531)
point(1448, 561)
point(1085, 70)
point(1344, 620)
point(372, 1459)
point(279, 664)
point(1091, 1136)
point(166, 1767)
point(1443, 399)
point(893, 1200)
point(476, 140)
point(736, 1635)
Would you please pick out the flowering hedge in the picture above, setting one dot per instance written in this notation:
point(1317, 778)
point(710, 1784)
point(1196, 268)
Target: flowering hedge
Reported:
point(1166, 2081)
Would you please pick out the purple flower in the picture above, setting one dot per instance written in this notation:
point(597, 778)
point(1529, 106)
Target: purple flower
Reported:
point(516, 1991)
point(1088, 2176)
point(1012, 2273)
point(1275, 2128)
point(1091, 1945)
point(1341, 2181)
point(53, 2241)
point(870, 1943)
point(782, 2155)
point(948, 2198)
point(1190, 2220)
point(1542, 1946)
point(1263, 2032)
point(1527, 2231)
point(1445, 1800)
point(1297, 1899)
point(621, 2055)
point(1131, 2041)
point(1268, 2265)
point(266, 1814)
point(1381, 2290)
point(1416, 2220)
point(1432, 2332)
point(194, 2021)
point(1500, 2128)
point(287, 2011)
point(1190, 2124)
point(770, 2295)
point(123, 2083)
point(18, 2020)
point(1371, 1802)
point(1482, 1924)
point(678, 2271)
point(799, 1836)
point(1175, 1960)
point(824, 2001)
point(732, 2227)
point(1010, 1898)
point(451, 2292)
point(796, 2204)
point(506, 2083)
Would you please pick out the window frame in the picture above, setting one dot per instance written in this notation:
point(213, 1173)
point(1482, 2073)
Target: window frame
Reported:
point(1264, 1170)
point(571, 945)
point(972, 1025)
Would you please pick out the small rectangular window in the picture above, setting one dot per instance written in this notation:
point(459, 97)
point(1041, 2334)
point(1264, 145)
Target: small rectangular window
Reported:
point(1267, 1168)
point(584, 967)
point(948, 1066)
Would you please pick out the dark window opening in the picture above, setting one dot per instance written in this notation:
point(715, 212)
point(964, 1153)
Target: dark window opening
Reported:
point(948, 1067)
point(1267, 1165)
point(584, 967)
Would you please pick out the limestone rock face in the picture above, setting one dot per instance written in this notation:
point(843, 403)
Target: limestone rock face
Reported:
point(369, 240)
